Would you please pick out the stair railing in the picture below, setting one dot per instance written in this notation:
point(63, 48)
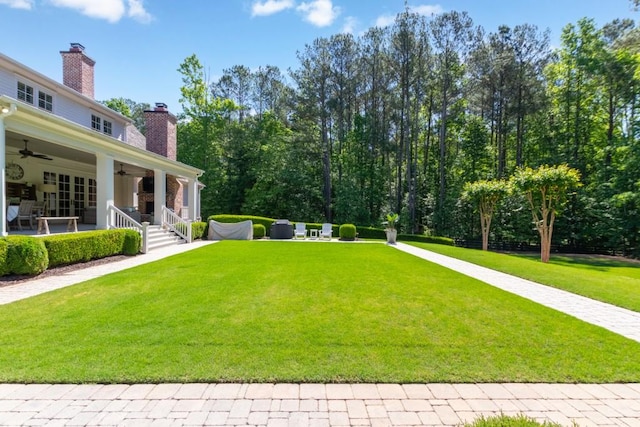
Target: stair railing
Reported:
point(175, 224)
point(119, 219)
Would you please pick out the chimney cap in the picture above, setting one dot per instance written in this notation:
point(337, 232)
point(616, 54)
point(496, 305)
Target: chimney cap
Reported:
point(161, 106)
point(76, 47)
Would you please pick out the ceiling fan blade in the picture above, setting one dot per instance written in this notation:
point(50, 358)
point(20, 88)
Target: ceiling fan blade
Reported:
point(42, 156)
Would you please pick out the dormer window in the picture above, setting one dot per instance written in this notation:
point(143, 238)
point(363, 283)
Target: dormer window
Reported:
point(45, 101)
point(96, 123)
point(25, 92)
point(101, 125)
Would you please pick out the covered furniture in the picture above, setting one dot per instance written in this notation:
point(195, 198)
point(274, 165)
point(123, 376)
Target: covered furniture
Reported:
point(230, 231)
point(25, 213)
point(281, 229)
point(327, 231)
point(300, 230)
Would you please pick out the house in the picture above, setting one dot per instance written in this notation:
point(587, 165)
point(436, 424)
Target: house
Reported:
point(58, 144)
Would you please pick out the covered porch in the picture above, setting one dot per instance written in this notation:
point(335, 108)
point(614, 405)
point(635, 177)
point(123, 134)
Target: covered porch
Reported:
point(76, 171)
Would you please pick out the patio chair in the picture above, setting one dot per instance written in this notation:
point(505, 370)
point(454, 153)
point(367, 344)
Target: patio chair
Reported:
point(25, 213)
point(327, 231)
point(38, 209)
point(300, 230)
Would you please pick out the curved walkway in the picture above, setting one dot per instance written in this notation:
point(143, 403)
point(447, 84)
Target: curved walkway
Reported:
point(328, 404)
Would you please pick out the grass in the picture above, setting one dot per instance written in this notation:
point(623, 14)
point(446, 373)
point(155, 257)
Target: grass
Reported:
point(300, 312)
point(606, 279)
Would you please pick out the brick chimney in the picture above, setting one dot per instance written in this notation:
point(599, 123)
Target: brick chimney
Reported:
point(161, 131)
point(77, 70)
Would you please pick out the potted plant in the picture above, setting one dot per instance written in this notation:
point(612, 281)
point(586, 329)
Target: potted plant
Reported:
point(390, 227)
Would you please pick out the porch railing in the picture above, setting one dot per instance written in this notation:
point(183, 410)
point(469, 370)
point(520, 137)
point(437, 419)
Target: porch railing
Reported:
point(176, 224)
point(119, 219)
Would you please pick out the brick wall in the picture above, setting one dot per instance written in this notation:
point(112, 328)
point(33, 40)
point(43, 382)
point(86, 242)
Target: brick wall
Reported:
point(77, 70)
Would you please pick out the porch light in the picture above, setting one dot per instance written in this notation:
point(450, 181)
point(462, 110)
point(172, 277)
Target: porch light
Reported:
point(5, 109)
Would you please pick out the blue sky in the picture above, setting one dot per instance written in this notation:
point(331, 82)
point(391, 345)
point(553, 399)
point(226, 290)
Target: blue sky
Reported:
point(139, 44)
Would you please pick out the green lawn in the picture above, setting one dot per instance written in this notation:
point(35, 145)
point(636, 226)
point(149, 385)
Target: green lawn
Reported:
point(609, 280)
point(300, 312)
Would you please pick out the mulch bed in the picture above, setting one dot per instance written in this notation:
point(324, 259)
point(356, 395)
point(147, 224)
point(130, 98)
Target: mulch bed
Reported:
point(57, 271)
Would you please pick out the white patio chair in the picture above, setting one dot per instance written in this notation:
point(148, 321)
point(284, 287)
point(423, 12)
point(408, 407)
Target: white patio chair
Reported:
point(327, 231)
point(25, 213)
point(300, 230)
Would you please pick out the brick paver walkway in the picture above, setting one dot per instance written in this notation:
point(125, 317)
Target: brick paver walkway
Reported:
point(328, 404)
point(315, 404)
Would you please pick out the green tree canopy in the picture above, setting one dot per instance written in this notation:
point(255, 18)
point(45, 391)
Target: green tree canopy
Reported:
point(546, 189)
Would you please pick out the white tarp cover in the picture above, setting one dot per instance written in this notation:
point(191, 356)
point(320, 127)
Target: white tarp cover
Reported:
point(230, 231)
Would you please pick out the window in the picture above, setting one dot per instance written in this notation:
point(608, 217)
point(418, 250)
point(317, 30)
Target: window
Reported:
point(107, 127)
point(93, 191)
point(45, 101)
point(96, 123)
point(25, 92)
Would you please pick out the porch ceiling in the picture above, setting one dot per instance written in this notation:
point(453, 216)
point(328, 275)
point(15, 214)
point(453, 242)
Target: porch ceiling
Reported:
point(15, 142)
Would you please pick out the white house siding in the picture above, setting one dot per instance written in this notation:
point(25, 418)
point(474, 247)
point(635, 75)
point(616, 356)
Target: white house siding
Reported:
point(7, 84)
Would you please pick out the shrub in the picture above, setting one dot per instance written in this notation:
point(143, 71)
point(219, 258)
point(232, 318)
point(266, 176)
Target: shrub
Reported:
point(259, 231)
point(3, 257)
point(347, 232)
point(25, 255)
point(198, 229)
point(509, 421)
point(132, 242)
point(81, 247)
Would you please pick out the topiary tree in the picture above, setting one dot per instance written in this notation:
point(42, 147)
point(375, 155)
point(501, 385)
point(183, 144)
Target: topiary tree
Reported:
point(546, 189)
point(485, 195)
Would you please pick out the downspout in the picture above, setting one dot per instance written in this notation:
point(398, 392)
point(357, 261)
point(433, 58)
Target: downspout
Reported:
point(4, 113)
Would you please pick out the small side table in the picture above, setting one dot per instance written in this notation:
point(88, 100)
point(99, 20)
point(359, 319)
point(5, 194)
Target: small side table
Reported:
point(313, 234)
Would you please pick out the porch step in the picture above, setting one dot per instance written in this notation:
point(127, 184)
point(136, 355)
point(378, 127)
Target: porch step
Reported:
point(160, 238)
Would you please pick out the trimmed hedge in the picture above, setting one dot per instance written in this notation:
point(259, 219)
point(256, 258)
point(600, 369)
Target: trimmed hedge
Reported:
point(4, 266)
point(24, 255)
point(259, 231)
point(426, 239)
point(66, 249)
point(363, 232)
point(347, 232)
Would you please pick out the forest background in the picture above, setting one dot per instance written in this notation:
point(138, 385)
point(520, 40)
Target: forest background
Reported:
point(399, 118)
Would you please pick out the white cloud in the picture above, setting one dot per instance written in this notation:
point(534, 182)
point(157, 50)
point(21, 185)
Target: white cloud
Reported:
point(18, 4)
point(385, 20)
point(110, 10)
point(269, 7)
point(350, 24)
point(427, 9)
point(320, 13)
point(138, 12)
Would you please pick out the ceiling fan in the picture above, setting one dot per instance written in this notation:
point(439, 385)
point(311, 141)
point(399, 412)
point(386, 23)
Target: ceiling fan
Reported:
point(122, 172)
point(28, 153)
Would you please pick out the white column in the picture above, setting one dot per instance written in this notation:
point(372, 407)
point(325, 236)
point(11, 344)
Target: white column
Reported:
point(4, 112)
point(105, 190)
point(159, 194)
point(192, 188)
point(3, 180)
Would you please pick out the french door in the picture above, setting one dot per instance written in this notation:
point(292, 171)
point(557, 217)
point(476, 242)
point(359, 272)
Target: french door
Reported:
point(73, 194)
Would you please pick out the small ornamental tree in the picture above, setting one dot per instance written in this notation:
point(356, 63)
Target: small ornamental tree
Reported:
point(546, 189)
point(485, 195)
